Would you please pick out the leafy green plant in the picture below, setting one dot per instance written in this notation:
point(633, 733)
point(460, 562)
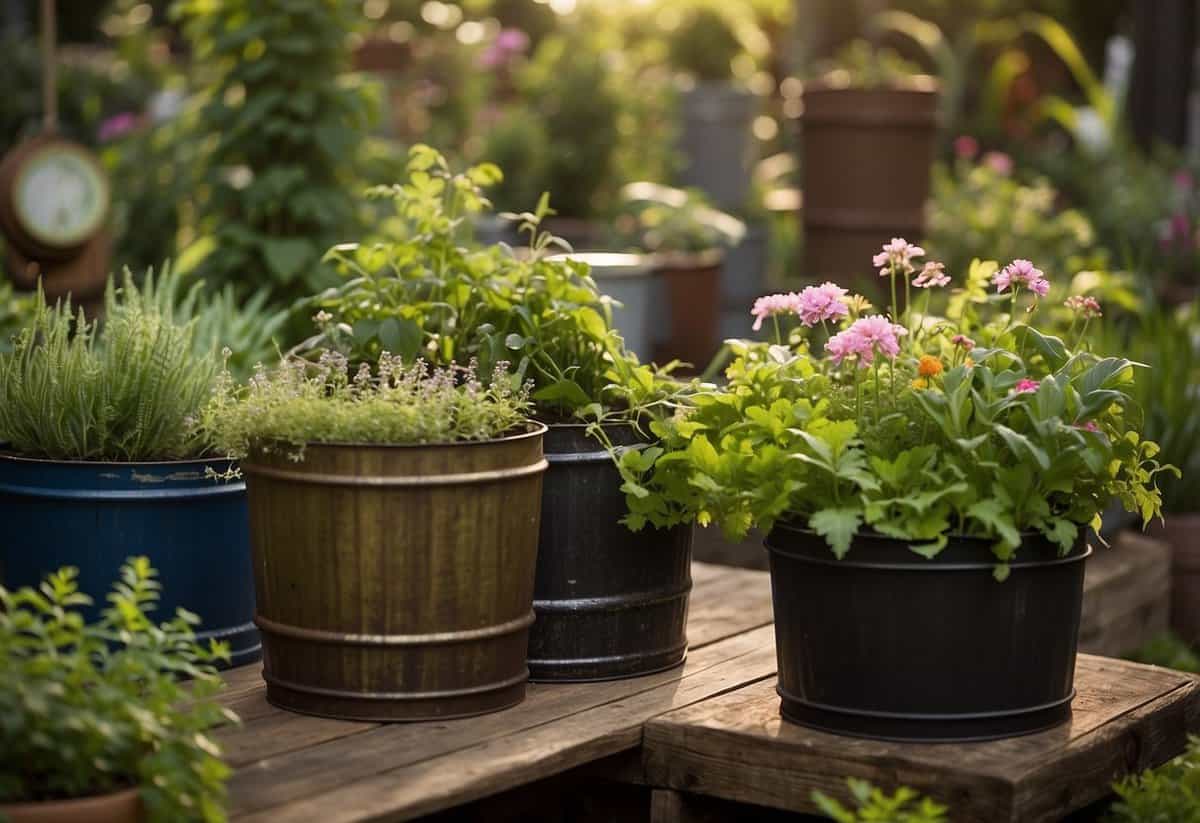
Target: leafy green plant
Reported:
point(1170, 651)
point(1170, 793)
point(88, 709)
point(250, 330)
point(128, 390)
point(16, 311)
point(862, 65)
point(982, 205)
point(872, 805)
point(661, 219)
point(1168, 393)
point(298, 402)
point(704, 44)
point(277, 130)
point(421, 293)
point(975, 423)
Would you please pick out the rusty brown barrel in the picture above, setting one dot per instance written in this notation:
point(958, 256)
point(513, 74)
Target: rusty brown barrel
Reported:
point(866, 161)
point(396, 582)
point(691, 285)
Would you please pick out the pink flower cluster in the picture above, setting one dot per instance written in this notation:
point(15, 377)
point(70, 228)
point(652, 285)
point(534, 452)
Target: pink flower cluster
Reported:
point(897, 257)
point(1087, 307)
point(866, 337)
point(1026, 386)
point(770, 305)
point(1021, 273)
point(818, 304)
point(933, 274)
point(963, 342)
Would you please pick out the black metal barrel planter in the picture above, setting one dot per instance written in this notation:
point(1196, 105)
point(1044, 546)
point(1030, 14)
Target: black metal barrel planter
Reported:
point(610, 603)
point(886, 644)
point(94, 515)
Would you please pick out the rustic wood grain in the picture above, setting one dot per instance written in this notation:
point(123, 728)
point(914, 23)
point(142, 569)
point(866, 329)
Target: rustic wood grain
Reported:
point(1125, 595)
point(399, 772)
point(277, 753)
point(1127, 717)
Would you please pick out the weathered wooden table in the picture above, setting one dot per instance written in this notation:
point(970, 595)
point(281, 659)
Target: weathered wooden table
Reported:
point(711, 728)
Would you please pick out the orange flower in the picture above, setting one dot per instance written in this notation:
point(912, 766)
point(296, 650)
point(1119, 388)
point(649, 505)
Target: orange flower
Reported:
point(929, 366)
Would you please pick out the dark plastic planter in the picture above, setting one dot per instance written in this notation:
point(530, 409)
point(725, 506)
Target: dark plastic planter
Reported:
point(610, 603)
point(886, 644)
point(95, 515)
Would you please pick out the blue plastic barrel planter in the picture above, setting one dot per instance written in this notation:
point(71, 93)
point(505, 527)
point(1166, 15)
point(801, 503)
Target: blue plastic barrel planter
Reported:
point(194, 529)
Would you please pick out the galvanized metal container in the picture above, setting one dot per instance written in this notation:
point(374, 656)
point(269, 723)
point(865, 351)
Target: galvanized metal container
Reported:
point(887, 644)
point(95, 515)
point(396, 582)
point(610, 603)
point(629, 280)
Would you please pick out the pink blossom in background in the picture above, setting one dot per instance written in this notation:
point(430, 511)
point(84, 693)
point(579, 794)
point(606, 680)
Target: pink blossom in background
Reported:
point(508, 44)
point(840, 346)
point(1184, 179)
point(1089, 426)
point(821, 303)
point(963, 342)
point(897, 255)
point(774, 304)
point(966, 147)
point(118, 125)
point(1026, 386)
point(998, 162)
point(1181, 230)
point(1087, 307)
point(1021, 273)
point(932, 275)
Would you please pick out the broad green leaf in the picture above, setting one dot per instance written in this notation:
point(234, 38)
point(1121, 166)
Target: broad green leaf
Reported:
point(838, 526)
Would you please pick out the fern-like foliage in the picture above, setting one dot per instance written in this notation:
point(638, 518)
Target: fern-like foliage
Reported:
point(129, 389)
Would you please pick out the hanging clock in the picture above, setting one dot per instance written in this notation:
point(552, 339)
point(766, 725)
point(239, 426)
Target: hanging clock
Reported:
point(60, 196)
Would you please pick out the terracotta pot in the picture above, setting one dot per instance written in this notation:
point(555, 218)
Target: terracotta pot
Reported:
point(119, 807)
point(1182, 532)
point(691, 287)
point(396, 582)
point(866, 158)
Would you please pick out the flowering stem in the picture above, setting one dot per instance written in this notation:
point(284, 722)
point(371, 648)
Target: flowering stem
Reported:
point(907, 307)
point(877, 390)
point(893, 279)
point(778, 335)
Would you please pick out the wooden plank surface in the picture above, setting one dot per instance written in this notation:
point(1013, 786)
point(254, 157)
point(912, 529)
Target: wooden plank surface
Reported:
point(293, 767)
point(1127, 717)
point(1126, 595)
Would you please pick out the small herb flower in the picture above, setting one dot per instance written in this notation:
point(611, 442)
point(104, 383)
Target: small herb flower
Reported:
point(897, 256)
point(1086, 307)
point(772, 305)
point(929, 366)
point(818, 304)
point(1026, 386)
point(932, 275)
point(920, 383)
point(963, 342)
point(1089, 426)
point(1021, 273)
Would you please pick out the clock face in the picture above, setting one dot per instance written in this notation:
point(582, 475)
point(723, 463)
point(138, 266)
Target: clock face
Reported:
point(60, 196)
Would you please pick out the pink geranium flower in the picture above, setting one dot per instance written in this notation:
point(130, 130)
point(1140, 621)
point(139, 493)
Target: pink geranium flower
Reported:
point(771, 305)
point(933, 274)
point(966, 147)
point(897, 256)
point(1026, 386)
point(963, 342)
point(867, 337)
point(998, 162)
point(818, 304)
point(1021, 273)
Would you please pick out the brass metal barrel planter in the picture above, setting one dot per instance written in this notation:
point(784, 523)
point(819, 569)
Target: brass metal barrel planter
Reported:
point(396, 582)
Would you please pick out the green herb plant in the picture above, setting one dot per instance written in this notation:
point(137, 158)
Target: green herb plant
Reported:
point(872, 805)
point(665, 220)
point(298, 402)
point(422, 293)
point(89, 709)
point(1170, 793)
point(918, 428)
point(127, 390)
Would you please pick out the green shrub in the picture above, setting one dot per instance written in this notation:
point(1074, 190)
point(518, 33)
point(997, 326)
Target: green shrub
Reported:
point(298, 402)
point(127, 390)
point(279, 127)
point(1168, 794)
point(87, 709)
point(874, 806)
point(705, 44)
point(1170, 651)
